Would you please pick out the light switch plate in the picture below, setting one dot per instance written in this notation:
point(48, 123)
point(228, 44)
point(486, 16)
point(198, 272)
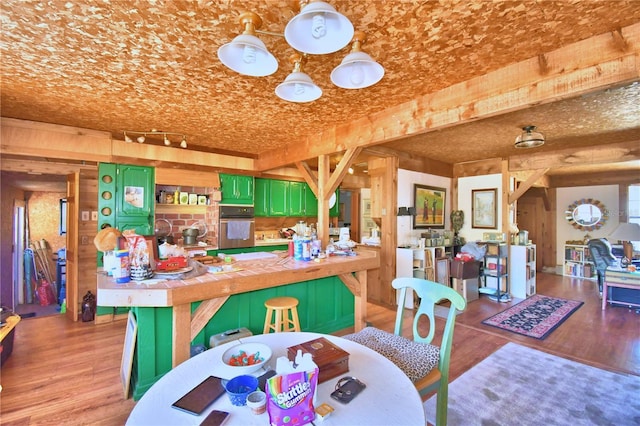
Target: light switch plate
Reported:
point(94, 215)
point(84, 215)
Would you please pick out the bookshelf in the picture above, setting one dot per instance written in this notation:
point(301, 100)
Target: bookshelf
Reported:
point(522, 270)
point(577, 262)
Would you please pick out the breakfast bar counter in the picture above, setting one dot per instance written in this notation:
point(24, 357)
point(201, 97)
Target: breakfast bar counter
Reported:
point(193, 303)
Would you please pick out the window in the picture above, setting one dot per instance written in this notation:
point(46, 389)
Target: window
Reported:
point(633, 209)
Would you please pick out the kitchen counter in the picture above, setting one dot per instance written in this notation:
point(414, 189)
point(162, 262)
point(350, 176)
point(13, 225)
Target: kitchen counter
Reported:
point(214, 290)
point(271, 242)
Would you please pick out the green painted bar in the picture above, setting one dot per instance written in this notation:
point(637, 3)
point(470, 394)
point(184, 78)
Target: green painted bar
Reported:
point(152, 358)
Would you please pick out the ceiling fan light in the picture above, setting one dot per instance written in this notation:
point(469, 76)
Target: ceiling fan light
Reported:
point(298, 87)
point(248, 55)
point(529, 138)
point(318, 29)
point(357, 71)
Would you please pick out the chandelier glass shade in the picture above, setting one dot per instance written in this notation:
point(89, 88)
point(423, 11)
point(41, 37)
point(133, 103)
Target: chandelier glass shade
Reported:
point(247, 54)
point(317, 30)
point(142, 137)
point(357, 70)
point(529, 138)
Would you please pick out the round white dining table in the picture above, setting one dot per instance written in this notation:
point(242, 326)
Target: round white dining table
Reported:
point(388, 399)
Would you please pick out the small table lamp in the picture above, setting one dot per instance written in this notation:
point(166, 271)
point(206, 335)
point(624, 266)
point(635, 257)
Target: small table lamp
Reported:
point(626, 232)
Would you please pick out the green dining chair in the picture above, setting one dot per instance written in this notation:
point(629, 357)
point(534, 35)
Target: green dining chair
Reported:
point(427, 365)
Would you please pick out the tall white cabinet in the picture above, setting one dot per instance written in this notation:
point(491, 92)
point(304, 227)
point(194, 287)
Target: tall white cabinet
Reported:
point(522, 270)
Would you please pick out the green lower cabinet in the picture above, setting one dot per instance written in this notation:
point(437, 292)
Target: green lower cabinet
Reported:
point(152, 358)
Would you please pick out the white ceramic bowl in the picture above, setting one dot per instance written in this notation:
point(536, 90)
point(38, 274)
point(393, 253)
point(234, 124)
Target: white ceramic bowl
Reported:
point(263, 351)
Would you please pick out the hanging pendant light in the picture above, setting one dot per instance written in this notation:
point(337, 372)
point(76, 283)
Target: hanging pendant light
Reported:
point(318, 29)
point(529, 138)
point(298, 86)
point(357, 70)
point(247, 54)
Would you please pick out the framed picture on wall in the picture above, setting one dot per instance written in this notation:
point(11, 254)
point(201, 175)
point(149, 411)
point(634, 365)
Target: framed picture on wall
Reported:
point(429, 202)
point(484, 208)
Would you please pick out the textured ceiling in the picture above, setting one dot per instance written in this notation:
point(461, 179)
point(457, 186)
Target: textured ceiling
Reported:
point(142, 65)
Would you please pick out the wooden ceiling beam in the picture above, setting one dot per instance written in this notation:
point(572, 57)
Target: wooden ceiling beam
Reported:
point(341, 170)
point(309, 177)
point(589, 65)
point(610, 153)
point(524, 186)
point(614, 177)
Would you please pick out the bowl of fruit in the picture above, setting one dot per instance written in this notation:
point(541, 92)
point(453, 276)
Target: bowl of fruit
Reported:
point(246, 358)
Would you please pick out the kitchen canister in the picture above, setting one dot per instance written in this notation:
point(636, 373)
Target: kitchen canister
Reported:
point(121, 270)
point(297, 248)
point(306, 249)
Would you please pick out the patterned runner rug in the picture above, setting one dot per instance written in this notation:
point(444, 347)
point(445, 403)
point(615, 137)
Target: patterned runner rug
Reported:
point(534, 317)
point(520, 386)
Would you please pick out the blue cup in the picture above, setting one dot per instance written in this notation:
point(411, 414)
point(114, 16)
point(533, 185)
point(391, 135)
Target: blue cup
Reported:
point(239, 387)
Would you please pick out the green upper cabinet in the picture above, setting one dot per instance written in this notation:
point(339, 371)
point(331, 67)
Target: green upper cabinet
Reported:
point(135, 198)
point(297, 199)
point(310, 202)
point(261, 203)
point(279, 198)
point(237, 189)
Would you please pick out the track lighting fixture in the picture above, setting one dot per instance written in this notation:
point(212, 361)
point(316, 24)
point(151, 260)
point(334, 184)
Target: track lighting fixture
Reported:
point(165, 136)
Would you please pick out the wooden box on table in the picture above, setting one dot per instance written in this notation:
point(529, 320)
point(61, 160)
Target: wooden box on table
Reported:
point(330, 359)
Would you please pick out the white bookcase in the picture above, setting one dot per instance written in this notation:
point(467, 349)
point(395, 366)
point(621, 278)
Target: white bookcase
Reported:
point(522, 270)
point(428, 263)
point(577, 262)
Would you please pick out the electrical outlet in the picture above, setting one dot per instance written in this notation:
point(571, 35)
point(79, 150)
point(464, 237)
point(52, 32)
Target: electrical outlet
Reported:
point(85, 215)
point(84, 240)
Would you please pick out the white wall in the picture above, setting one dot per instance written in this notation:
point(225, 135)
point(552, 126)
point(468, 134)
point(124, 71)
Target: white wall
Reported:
point(406, 179)
point(606, 194)
point(465, 186)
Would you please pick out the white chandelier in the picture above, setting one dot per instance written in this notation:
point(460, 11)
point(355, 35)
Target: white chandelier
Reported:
point(317, 30)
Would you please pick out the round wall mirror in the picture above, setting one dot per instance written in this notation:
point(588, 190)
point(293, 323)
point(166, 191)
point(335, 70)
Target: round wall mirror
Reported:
point(586, 214)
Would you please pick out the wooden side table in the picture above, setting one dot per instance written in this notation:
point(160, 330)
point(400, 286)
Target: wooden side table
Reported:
point(614, 277)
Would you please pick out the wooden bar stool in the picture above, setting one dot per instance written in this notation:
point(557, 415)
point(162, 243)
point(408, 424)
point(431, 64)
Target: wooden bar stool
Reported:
point(285, 312)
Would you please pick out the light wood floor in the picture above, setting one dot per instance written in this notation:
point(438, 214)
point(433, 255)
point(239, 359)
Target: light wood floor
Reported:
point(68, 373)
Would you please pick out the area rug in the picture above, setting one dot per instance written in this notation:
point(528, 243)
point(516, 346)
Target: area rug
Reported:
point(535, 317)
point(517, 385)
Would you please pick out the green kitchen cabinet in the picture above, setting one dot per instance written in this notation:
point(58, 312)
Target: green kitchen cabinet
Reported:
point(135, 198)
point(126, 197)
point(279, 198)
point(237, 189)
point(310, 202)
point(297, 199)
point(262, 197)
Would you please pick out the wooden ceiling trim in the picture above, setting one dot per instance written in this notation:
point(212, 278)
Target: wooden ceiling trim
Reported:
point(611, 153)
point(43, 167)
point(477, 168)
point(413, 162)
point(582, 67)
point(166, 156)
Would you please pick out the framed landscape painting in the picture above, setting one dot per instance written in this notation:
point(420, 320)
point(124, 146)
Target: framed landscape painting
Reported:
point(484, 208)
point(429, 202)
